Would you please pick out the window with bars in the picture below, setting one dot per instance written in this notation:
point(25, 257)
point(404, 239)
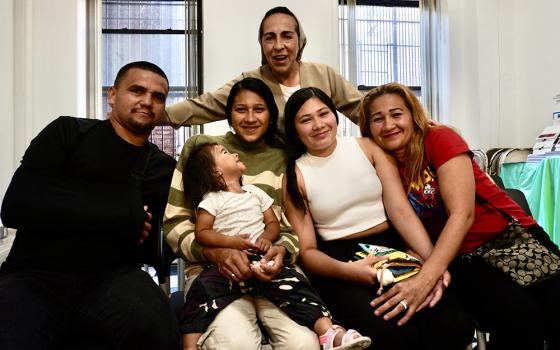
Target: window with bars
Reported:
point(380, 42)
point(150, 30)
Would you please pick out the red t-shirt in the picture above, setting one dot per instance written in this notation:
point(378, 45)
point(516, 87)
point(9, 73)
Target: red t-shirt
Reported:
point(442, 144)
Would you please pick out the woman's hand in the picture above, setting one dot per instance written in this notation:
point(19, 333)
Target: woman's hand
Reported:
point(407, 296)
point(433, 124)
point(269, 270)
point(437, 292)
point(232, 263)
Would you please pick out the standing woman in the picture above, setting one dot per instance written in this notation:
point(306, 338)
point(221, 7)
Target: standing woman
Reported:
point(462, 210)
point(336, 193)
point(282, 40)
point(252, 114)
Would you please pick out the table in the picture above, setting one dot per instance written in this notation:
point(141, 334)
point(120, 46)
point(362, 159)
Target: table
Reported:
point(540, 182)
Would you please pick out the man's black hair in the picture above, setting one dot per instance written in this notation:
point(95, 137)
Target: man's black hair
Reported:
point(145, 65)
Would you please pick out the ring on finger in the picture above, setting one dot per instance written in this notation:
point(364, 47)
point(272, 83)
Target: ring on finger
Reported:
point(232, 275)
point(404, 304)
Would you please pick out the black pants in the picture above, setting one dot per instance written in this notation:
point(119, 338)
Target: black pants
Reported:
point(122, 308)
point(211, 292)
point(516, 317)
point(446, 326)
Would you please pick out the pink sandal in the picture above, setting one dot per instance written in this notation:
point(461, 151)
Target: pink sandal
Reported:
point(351, 340)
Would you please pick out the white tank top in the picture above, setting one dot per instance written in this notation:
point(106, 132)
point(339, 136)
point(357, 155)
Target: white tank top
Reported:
point(343, 190)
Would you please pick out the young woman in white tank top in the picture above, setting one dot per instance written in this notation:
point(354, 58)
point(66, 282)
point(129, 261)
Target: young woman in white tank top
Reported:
point(336, 192)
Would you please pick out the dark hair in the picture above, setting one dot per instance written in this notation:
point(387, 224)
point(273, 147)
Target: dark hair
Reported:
point(144, 65)
point(199, 174)
point(260, 88)
point(295, 146)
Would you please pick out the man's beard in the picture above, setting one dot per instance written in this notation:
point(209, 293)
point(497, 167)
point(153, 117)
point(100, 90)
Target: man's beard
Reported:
point(142, 128)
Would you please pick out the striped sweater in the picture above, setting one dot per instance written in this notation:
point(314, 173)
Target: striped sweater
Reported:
point(265, 168)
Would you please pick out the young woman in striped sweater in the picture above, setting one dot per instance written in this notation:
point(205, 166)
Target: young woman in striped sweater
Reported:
point(254, 140)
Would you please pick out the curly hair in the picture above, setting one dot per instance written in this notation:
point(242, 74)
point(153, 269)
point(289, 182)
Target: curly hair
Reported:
point(199, 174)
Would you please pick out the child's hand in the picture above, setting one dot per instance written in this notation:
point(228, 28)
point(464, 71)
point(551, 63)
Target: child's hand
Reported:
point(363, 269)
point(257, 266)
point(263, 244)
point(241, 242)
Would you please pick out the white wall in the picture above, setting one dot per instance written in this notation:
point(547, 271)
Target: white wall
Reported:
point(231, 38)
point(504, 63)
point(43, 69)
point(49, 65)
point(7, 162)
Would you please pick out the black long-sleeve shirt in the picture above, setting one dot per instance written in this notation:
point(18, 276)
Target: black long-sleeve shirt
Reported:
point(73, 200)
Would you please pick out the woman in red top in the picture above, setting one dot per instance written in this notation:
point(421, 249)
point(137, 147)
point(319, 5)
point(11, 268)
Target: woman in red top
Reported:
point(461, 209)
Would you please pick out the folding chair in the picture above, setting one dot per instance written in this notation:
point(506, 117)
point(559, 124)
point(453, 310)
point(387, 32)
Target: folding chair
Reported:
point(480, 158)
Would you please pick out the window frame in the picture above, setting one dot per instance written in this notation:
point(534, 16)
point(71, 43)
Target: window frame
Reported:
point(192, 35)
point(349, 61)
point(384, 3)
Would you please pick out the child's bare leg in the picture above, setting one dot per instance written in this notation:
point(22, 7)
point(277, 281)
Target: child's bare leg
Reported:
point(190, 341)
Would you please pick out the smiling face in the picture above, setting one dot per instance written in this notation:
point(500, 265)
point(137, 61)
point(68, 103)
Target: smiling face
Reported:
point(249, 116)
point(137, 104)
point(391, 123)
point(226, 163)
point(279, 44)
point(316, 127)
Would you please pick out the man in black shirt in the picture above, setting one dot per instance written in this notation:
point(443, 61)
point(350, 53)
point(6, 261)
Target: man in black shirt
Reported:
point(83, 201)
